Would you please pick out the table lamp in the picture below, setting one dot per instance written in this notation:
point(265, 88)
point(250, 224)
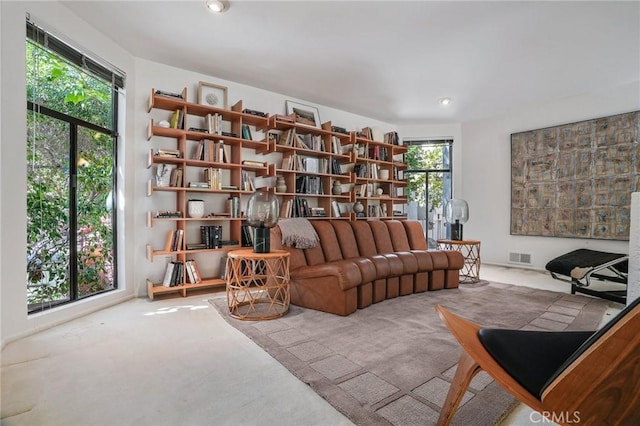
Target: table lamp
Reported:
point(263, 210)
point(456, 212)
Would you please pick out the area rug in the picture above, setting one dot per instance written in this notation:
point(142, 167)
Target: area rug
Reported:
point(393, 362)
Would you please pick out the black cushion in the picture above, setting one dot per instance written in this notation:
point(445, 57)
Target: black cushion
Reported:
point(584, 258)
point(531, 357)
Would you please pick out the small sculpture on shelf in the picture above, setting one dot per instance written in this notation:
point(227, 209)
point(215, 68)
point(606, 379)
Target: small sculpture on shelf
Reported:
point(281, 184)
point(337, 188)
point(358, 209)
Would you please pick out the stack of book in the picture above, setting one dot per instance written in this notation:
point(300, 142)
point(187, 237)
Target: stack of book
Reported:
point(211, 236)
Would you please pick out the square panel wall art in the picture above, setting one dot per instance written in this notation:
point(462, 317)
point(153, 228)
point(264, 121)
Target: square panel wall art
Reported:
point(575, 180)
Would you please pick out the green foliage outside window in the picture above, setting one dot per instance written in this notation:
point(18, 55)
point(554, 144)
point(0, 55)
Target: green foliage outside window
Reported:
point(425, 157)
point(57, 85)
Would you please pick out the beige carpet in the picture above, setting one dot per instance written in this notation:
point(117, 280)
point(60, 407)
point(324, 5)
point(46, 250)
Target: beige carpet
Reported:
point(392, 362)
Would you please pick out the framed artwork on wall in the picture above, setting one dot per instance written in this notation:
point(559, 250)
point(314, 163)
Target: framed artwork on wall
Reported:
point(575, 180)
point(304, 114)
point(212, 95)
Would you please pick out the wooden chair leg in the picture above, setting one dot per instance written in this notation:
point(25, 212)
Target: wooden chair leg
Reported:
point(467, 369)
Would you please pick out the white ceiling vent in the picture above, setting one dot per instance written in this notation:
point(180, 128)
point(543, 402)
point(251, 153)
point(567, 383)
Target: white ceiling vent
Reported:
point(521, 258)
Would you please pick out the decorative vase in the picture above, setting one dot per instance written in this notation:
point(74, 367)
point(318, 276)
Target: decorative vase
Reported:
point(281, 185)
point(358, 208)
point(337, 188)
point(379, 191)
point(195, 208)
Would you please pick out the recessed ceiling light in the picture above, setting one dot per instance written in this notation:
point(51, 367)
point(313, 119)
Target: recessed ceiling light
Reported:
point(445, 101)
point(217, 6)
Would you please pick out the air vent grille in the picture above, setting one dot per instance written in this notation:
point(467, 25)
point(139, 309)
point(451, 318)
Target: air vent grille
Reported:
point(521, 258)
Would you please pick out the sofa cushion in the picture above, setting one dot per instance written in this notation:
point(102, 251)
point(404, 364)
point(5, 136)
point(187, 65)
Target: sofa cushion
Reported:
point(328, 240)
point(346, 238)
point(398, 235)
point(364, 237)
point(415, 235)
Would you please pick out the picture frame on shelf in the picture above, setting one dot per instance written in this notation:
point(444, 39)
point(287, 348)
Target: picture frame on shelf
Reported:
point(214, 95)
point(304, 114)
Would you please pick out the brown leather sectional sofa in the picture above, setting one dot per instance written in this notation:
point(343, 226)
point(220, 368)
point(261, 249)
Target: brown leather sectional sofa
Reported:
point(364, 262)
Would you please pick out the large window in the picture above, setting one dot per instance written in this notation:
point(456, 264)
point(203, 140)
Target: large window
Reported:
point(71, 162)
point(429, 184)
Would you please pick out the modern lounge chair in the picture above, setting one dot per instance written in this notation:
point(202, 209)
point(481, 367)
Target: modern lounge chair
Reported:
point(568, 377)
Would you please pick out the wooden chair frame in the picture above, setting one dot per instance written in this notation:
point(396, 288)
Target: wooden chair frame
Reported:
point(601, 386)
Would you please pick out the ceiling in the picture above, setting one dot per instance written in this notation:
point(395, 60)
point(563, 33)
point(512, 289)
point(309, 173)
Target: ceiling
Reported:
point(390, 60)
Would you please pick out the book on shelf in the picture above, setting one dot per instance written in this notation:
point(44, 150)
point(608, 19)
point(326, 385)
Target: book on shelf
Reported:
point(335, 208)
point(173, 120)
point(165, 214)
point(167, 152)
point(177, 277)
point(176, 177)
point(222, 152)
point(213, 177)
point(391, 138)
point(193, 271)
point(254, 112)
point(246, 132)
point(246, 181)
point(254, 163)
point(176, 240)
point(317, 212)
point(196, 246)
point(168, 274)
point(198, 151)
point(189, 272)
point(339, 129)
point(169, 242)
point(287, 137)
point(211, 236)
point(213, 123)
point(174, 274)
point(336, 145)
point(199, 185)
point(247, 236)
point(223, 268)
point(169, 94)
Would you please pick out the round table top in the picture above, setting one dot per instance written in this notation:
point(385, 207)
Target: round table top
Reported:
point(248, 253)
point(458, 241)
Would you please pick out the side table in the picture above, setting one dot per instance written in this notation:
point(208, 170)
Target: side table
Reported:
point(257, 284)
point(470, 250)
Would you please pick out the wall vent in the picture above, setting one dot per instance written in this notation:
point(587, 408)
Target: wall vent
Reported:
point(522, 258)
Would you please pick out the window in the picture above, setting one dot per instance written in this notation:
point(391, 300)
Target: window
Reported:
point(429, 184)
point(72, 132)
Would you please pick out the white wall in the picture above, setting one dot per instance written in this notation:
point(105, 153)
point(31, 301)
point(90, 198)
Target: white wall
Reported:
point(487, 175)
point(13, 177)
